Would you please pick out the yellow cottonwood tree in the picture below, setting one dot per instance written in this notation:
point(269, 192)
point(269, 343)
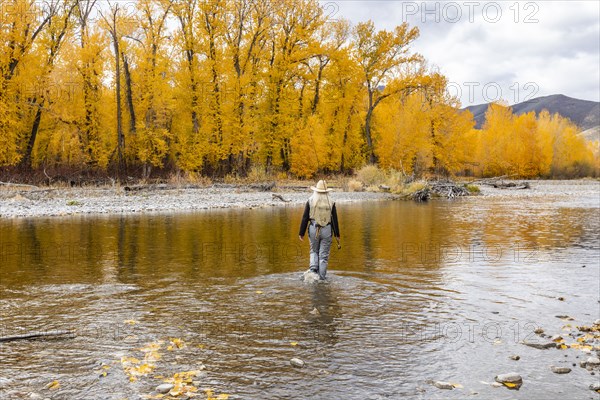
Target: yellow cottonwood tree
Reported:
point(383, 54)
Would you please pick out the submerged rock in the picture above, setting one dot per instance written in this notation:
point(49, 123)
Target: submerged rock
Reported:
point(296, 362)
point(315, 311)
point(164, 388)
point(442, 385)
point(511, 380)
point(595, 386)
point(560, 370)
point(541, 346)
point(538, 331)
point(590, 363)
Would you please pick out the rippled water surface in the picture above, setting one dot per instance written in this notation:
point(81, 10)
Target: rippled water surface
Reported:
point(442, 291)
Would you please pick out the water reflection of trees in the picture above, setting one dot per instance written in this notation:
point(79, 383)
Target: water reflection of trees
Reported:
point(376, 237)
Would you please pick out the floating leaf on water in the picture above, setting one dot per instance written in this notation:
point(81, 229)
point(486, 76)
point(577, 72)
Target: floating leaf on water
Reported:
point(259, 292)
point(177, 343)
point(130, 322)
point(129, 360)
point(144, 369)
point(509, 384)
point(294, 343)
point(222, 396)
point(53, 385)
point(152, 356)
point(154, 346)
point(200, 346)
point(564, 346)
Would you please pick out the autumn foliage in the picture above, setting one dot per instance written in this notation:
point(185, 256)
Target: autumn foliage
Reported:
point(218, 87)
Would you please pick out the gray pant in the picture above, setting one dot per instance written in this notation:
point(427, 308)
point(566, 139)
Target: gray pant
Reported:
point(319, 248)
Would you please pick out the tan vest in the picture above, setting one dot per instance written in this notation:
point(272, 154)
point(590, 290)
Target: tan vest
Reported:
point(320, 209)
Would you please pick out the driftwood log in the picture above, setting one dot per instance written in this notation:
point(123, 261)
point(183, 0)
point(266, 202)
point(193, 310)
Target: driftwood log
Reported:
point(38, 335)
point(439, 188)
point(280, 197)
point(18, 185)
point(498, 183)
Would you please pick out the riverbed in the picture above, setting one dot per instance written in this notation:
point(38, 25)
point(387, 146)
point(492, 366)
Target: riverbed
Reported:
point(442, 291)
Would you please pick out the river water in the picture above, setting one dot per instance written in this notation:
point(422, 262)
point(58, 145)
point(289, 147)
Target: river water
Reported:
point(439, 291)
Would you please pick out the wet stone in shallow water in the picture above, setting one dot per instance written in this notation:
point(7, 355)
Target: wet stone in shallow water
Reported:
point(296, 362)
point(511, 380)
point(443, 385)
point(541, 346)
point(164, 388)
point(560, 370)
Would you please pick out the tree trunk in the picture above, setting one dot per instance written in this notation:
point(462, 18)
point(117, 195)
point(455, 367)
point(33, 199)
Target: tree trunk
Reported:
point(26, 161)
point(120, 137)
point(368, 119)
point(129, 94)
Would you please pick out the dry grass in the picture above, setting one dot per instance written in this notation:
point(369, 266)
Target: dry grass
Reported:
point(354, 186)
point(406, 190)
point(370, 175)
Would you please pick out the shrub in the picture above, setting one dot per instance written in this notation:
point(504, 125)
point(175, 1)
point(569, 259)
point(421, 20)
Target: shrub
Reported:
point(355, 186)
point(473, 189)
point(371, 175)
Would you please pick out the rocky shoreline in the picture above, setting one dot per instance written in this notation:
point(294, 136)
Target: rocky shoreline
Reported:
point(26, 202)
point(50, 202)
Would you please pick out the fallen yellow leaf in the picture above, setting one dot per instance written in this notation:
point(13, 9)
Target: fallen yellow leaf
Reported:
point(53, 385)
point(259, 292)
point(510, 385)
point(294, 343)
point(130, 322)
point(177, 342)
point(129, 360)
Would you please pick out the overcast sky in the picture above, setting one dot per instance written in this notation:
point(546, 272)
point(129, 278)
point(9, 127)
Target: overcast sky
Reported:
point(503, 49)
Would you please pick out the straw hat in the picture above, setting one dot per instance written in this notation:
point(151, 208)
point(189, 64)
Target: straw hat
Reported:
point(321, 187)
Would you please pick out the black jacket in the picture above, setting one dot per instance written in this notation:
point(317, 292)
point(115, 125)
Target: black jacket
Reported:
point(306, 218)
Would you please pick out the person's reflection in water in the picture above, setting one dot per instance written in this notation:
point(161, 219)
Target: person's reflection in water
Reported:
point(325, 315)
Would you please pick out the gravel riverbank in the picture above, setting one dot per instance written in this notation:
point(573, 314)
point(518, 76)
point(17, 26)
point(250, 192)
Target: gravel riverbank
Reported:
point(17, 202)
point(24, 202)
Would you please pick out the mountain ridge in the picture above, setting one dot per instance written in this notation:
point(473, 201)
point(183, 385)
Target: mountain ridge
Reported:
point(583, 113)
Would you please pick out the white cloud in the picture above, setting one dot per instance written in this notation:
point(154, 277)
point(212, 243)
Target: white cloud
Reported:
point(551, 45)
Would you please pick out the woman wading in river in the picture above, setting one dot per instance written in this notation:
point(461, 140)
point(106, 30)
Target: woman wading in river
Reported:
point(320, 216)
